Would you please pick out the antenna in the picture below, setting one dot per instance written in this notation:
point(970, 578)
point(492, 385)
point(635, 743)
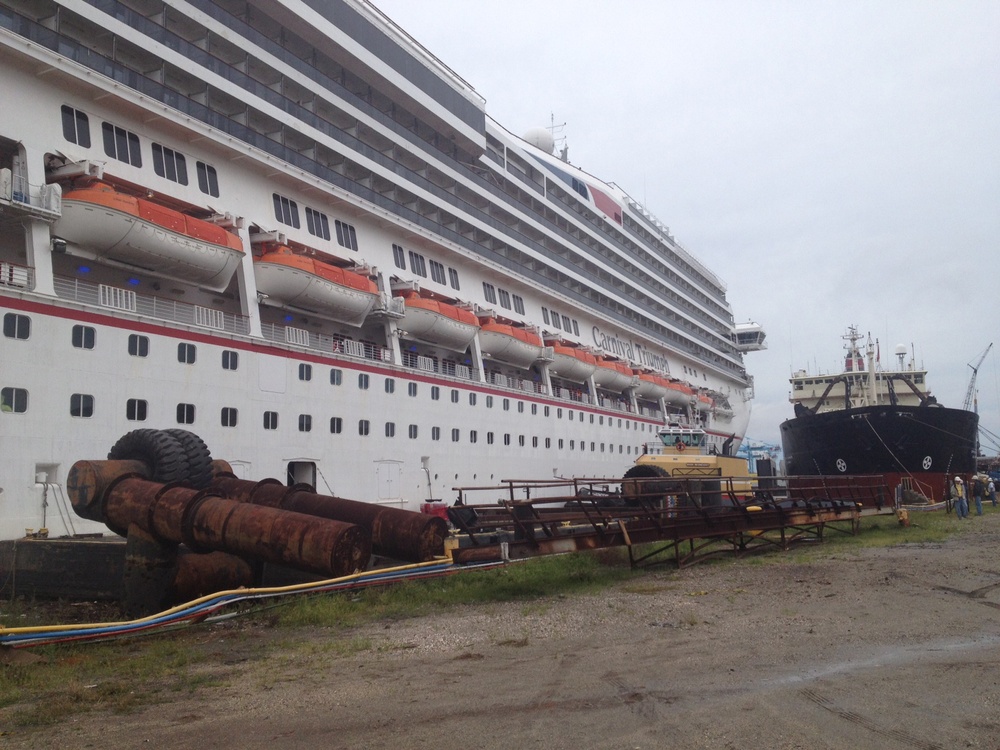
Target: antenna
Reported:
point(558, 138)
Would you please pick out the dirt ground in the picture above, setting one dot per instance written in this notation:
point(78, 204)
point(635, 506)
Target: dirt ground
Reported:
point(870, 648)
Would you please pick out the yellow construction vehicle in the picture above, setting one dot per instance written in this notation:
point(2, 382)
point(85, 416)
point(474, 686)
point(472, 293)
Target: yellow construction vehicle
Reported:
point(683, 468)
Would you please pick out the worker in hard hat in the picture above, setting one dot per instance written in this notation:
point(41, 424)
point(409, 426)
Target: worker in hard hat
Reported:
point(959, 497)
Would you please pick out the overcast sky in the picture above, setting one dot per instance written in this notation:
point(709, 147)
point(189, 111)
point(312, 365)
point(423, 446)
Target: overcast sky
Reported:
point(836, 163)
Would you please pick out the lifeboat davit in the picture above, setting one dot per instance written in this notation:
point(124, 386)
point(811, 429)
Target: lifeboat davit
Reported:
point(510, 344)
point(572, 363)
point(120, 227)
point(437, 322)
point(290, 278)
point(613, 375)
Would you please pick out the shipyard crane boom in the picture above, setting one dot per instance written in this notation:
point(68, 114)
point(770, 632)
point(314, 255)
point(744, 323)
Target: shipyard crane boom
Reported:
point(970, 394)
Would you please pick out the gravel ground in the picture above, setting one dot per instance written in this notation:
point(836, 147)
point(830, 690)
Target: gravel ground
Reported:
point(871, 648)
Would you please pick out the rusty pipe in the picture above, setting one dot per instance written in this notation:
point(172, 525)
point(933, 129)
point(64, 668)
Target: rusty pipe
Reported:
point(397, 533)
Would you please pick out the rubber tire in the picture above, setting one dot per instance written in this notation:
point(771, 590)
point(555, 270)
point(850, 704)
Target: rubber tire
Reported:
point(199, 457)
point(162, 453)
point(652, 492)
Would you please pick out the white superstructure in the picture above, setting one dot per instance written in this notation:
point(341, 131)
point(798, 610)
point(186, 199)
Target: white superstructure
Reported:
point(288, 228)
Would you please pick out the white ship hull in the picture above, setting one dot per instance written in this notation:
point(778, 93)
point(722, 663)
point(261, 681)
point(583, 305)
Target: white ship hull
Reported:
point(111, 324)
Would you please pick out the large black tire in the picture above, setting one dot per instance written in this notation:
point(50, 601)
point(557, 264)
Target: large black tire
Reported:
point(199, 458)
point(162, 453)
point(647, 492)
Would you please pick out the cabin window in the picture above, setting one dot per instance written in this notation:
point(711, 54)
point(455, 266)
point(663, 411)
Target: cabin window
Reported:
point(453, 278)
point(13, 400)
point(84, 337)
point(138, 346)
point(490, 292)
point(186, 353)
point(169, 164)
point(567, 324)
point(121, 145)
point(489, 402)
point(346, 236)
point(305, 422)
point(230, 359)
point(286, 210)
point(363, 381)
point(506, 404)
point(472, 399)
point(81, 405)
point(336, 425)
point(411, 389)
point(534, 441)
point(560, 444)
point(455, 435)
point(305, 372)
point(135, 410)
point(437, 272)
point(518, 304)
point(506, 438)
point(270, 420)
point(473, 436)
point(76, 126)
point(576, 328)
point(390, 385)
point(229, 417)
point(208, 179)
point(317, 223)
point(185, 413)
point(336, 376)
point(364, 427)
point(504, 297)
point(520, 407)
point(435, 393)
point(390, 429)
point(435, 433)
point(545, 315)
point(548, 442)
point(16, 326)
point(520, 440)
point(454, 396)
point(413, 432)
point(489, 438)
point(417, 264)
point(545, 411)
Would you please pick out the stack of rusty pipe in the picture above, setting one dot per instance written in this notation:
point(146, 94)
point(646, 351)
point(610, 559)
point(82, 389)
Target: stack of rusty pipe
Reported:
point(396, 533)
point(118, 494)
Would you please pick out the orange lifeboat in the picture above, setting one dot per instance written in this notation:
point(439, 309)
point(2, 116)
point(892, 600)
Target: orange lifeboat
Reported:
point(290, 278)
point(651, 385)
point(613, 374)
point(120, 227)
point(679, 393)
point(572, 363)
point(437, 322)
point(511, 344)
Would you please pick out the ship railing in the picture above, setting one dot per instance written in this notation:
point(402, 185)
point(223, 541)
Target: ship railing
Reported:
point(11, 274)
point(432, 364)
point(148, 305)
point(571, 394)
point(44, 201)
point(515, 384)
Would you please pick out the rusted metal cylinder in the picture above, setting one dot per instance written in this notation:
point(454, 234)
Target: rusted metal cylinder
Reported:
point(397, 533)
point(88, 482)
point(205, 521)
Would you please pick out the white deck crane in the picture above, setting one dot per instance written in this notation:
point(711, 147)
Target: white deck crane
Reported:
point(971, 393)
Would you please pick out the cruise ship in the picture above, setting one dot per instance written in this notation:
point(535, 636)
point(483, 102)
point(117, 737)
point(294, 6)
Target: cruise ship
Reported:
point(290, 229)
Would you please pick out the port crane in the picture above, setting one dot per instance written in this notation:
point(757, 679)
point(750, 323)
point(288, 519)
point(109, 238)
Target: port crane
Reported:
point(970, 394)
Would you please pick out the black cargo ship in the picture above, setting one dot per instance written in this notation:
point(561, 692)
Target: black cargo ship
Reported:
point(873, 421)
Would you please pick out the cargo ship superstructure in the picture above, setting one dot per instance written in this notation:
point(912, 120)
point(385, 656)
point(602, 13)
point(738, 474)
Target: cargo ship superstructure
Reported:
point(290, 229)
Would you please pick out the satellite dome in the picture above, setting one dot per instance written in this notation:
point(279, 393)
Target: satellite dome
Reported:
point(900, 350)
point(541, 138)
